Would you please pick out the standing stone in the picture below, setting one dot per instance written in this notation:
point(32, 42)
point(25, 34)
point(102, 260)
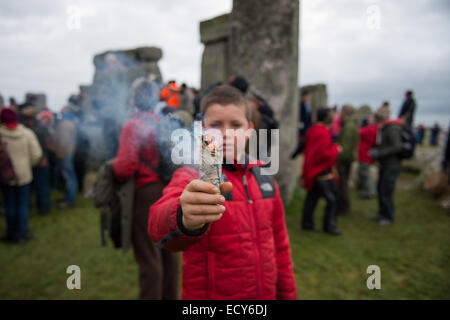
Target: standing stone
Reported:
point(362, 112)
point(214, 35)
point(38, 100)
point(105, 103)
point(264, 49)
point(319, 96)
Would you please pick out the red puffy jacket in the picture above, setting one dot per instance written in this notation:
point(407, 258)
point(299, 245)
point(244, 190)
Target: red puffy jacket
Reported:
point(244, 255)
point(320, 154)
point(137, 142)
point(367, 139)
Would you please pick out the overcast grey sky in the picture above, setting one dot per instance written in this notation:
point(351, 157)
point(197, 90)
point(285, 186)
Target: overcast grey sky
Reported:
point(366, 51)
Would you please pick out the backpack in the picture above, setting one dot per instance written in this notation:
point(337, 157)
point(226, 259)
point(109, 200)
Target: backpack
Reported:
point(408, 142)
point(266, 112)
point(7, 173)
point(115, 202)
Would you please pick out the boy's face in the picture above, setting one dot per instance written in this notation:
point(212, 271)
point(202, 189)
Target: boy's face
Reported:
point(228, 117)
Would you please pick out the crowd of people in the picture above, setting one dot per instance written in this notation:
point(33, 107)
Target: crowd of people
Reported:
point(234, 239)
point(137, 158)
point(335, 141)
point(38, 149)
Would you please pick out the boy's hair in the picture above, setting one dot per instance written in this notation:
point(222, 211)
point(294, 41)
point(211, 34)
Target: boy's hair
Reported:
point(225, 95)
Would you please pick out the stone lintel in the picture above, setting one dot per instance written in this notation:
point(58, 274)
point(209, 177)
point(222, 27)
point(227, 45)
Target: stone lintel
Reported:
point(215, 29)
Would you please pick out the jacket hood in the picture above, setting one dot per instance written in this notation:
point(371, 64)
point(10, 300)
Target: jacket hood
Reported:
point(18, 132)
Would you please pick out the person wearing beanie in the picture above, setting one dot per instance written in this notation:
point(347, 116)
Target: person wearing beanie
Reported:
point(41, 172)
point(348, 138)
point(138, 158)
point(23, 149)
point(239, 83)
point(46, 119)
point(387, 152)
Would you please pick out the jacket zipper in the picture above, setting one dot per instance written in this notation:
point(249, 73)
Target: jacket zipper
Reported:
point(256, 234)
point(244, 180)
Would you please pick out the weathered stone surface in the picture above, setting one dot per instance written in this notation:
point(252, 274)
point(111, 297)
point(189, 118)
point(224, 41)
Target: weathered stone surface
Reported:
point(40, 99)
point(148, 54)
point(263, 47)
point(361, 113)
point(319, 96)
point(214, 34)
point(106, 102)
point(216, 29)
point(86, 103)
point(214, 64)
point(142, 54)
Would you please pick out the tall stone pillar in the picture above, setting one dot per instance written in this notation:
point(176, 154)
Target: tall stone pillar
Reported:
point(318, 93)
point(214, 35)
point(263, 47)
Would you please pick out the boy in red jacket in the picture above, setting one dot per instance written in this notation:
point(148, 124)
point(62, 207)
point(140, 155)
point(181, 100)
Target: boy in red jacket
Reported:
point(237, 246)
point(318, 178)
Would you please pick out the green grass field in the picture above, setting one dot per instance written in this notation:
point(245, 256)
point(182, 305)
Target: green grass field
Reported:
point(413, 254)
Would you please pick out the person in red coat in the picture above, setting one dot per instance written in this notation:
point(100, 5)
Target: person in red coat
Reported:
point(318, 177)
point(367, 140)
point(137, 157)
point(234, 246)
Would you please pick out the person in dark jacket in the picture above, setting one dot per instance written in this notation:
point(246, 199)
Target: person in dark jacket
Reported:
point(304, 123)
point(387, 152)
point(434, 136)
point(408, 109)
point(138, 157)
point(420, 134)
point(41, 172)
point(348, 139)
point(446, 157)
point(318, 177)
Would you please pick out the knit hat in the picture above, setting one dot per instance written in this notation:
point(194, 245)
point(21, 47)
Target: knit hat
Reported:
point(239, 83)
point(46, 116)
point(8, 116)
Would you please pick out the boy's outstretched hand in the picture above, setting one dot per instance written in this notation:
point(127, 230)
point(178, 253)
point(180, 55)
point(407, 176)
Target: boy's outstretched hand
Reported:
point(201, 203)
